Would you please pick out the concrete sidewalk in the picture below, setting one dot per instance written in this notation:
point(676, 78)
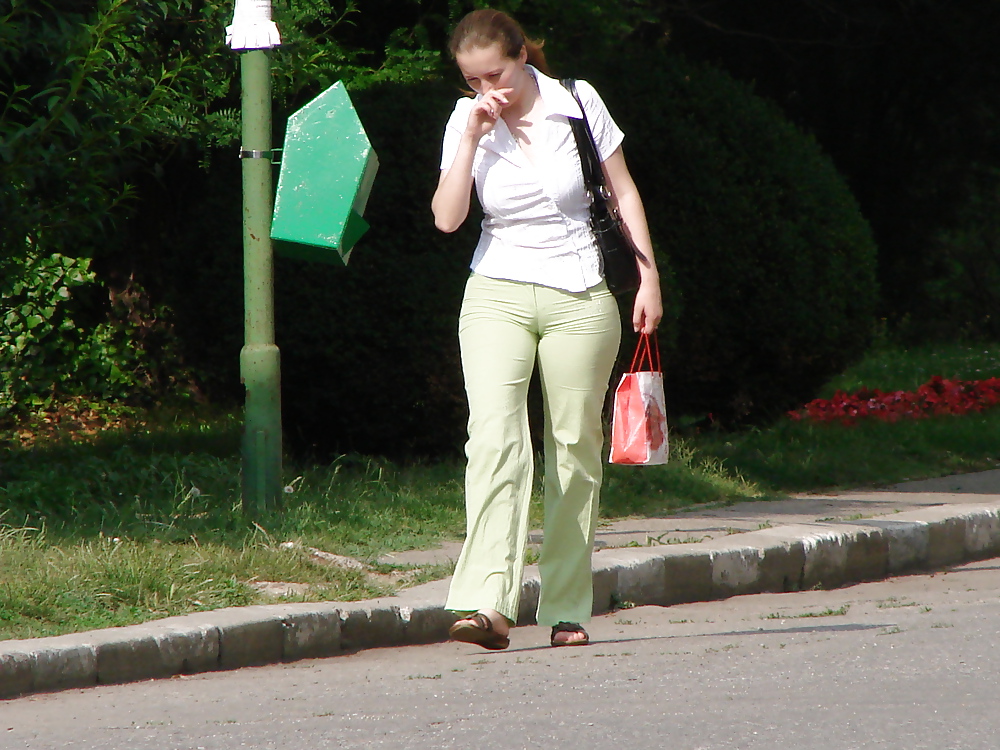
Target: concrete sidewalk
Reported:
point(800, 543)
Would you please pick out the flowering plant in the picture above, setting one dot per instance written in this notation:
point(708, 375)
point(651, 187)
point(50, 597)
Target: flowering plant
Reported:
point(936, 396)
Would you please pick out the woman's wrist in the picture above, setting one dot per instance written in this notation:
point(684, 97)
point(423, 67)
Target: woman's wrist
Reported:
point(472, 138)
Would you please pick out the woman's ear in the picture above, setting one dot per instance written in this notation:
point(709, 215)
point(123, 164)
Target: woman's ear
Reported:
point(523, 56)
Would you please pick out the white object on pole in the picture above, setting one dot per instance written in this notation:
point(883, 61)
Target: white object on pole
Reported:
point(252, 27)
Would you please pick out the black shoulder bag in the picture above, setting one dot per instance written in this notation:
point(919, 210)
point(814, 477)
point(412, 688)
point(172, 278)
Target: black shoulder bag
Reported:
point(619, 253)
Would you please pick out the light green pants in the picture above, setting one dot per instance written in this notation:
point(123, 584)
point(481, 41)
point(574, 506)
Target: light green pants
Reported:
point(503, 327)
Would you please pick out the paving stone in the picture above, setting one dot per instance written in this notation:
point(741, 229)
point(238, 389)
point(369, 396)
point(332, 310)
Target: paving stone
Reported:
point(687, 576)
point(311, 631)
point(62, 662)
point(371, 625)
point(628, 576)
point(17, 672)
point(531, 586)
point(422, 612)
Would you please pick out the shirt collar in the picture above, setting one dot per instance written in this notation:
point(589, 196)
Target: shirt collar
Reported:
point(558, 101)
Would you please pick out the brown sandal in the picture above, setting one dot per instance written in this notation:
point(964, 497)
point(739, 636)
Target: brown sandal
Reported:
point(568, 627)
point(478, 629)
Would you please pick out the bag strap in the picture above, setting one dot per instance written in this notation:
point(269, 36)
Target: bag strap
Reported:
point(644, 354)
point(590, 162)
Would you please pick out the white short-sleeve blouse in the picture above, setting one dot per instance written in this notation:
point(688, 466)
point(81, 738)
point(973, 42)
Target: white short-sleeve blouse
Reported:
point(537, 226)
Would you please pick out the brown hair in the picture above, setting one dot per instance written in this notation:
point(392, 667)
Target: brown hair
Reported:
point(483, 28)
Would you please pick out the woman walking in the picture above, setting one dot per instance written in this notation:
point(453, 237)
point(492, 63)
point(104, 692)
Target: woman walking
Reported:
point(536, 292)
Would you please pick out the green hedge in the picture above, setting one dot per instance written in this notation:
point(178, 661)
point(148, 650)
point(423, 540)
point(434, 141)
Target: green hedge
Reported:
point(771, 290)
point(369, 351)
point(773, 262)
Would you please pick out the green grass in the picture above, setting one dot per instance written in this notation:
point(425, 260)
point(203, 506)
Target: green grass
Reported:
point(690, 478)
point(117, 530)
point(828, 612)
point(129, 526)
point(905, 369)
point(124, 528)
point(803, 456)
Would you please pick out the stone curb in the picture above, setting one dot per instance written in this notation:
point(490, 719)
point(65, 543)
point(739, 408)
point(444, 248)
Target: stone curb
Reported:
point(785, 558)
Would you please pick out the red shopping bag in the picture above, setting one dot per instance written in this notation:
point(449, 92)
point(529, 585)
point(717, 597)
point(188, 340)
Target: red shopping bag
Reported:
point(639, 421)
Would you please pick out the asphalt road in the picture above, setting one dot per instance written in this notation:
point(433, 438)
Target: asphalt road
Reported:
point(908, 663)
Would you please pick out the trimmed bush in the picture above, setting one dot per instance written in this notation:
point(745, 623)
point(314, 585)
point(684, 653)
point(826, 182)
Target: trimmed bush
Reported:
point(773, 263)
point(369, 351)
point(772, 267)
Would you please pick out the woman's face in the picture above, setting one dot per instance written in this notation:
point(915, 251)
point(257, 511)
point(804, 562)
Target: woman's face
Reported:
point(487, 68)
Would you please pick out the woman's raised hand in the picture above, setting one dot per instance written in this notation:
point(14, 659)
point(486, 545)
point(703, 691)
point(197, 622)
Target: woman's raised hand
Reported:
point(486, 112)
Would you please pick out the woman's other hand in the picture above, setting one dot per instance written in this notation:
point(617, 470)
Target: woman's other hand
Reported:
point(648, 307)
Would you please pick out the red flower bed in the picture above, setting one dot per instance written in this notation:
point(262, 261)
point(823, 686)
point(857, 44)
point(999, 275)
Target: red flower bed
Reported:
point(937, 396)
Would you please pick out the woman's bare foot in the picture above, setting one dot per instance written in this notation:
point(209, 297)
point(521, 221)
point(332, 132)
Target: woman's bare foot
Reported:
point(486, 628)
point(569, 634)
point(497, 620)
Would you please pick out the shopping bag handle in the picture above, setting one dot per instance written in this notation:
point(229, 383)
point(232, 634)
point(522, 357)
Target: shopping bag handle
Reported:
point(644, 354)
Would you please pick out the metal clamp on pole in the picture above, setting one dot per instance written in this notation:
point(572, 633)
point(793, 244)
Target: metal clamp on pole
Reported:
point(274, 155)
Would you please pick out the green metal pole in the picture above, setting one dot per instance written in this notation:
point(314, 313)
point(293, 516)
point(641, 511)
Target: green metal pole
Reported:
point(260, 365)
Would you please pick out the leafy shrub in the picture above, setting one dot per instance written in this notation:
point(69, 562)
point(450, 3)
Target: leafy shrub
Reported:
point(48, 349)
point(112, 113)
point(100, 95)
point(773, 263)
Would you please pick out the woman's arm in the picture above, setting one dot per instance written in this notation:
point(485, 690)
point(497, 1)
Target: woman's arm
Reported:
point(648, 308)
point(450, 203)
